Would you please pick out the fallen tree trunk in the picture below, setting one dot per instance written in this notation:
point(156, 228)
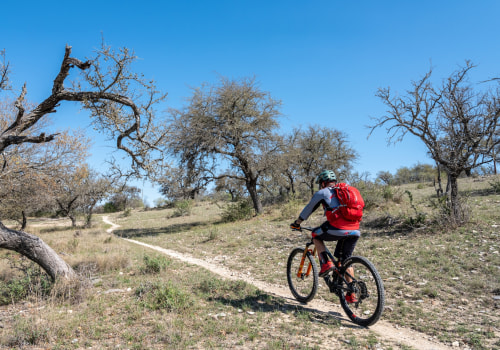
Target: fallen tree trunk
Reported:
point(35, 249)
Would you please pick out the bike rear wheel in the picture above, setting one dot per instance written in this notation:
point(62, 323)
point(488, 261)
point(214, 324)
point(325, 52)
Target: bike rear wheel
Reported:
point(369, 291)
point(303, 282)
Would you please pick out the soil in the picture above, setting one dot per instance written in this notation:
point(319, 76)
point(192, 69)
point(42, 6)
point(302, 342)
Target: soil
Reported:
point(384, 329)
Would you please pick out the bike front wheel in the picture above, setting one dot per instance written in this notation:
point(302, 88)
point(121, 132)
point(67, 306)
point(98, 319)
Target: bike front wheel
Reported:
point(364, 280)
point(302, 276)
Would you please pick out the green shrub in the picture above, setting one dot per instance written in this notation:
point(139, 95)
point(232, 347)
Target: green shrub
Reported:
point(33, 280)
point(109, 208)
point(154, 265)
point(241, 210)
point(495, 185)
point(183, 207)
point(167, 296)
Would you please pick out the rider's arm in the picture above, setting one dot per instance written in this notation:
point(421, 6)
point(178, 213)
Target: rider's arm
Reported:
point(317, 199)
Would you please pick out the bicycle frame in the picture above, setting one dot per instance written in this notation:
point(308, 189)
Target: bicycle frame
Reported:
point(331, 283)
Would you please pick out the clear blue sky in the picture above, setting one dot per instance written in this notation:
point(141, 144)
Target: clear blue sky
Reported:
point(324, 59)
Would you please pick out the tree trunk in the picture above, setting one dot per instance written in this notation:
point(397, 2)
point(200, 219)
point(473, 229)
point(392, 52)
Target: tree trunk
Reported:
point(439, 189)
point(25, 221)
point(37, 251)
point(448, 184)
point(73, 220)
point(88, 219)
point(454, 203)
point(252, 190)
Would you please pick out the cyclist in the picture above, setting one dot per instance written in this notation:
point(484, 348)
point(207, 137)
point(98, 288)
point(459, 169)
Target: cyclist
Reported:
point(345, 232)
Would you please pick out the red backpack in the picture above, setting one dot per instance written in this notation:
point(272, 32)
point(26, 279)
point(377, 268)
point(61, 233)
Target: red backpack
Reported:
point(351, 202)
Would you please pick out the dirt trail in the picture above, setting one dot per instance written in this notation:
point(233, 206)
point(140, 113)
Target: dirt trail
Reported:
point(384, 329)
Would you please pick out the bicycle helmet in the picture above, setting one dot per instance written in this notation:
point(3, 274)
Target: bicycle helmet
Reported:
point(326, 175)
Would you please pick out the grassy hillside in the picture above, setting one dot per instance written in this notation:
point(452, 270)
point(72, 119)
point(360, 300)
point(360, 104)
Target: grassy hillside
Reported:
point(444, 283)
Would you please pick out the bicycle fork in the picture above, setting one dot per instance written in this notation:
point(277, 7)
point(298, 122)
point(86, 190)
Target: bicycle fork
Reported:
point(300, 274)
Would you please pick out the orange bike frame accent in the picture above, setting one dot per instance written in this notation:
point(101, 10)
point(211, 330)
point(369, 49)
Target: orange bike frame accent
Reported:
point(302, 261)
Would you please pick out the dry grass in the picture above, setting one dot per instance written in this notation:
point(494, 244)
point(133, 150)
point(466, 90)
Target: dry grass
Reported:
point(438, 282)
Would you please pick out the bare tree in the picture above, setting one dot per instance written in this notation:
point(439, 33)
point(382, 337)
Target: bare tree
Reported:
point(186, 181)
point(4, 72)
point(385, 176)
point(111, 92)
point(28, 171)
point(286, 171)
point(230, 186)
point(96, 187)
point(126, 197)
point(230, 123)
point(323, 148)
point(68, 191)
point(456, 123)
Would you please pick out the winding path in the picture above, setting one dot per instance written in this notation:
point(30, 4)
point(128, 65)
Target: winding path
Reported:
point(384, 329)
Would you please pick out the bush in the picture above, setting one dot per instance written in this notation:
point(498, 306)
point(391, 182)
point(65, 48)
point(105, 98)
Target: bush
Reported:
point(158, 295)
point(495, 185)
point(153, 265)
point(241, 210)
point(32, 281)
point(109, 208)
point(372, 194)
point(445, 218)
point(183, 207)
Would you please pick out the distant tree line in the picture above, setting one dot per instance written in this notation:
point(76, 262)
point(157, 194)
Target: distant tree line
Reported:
point(405, 175)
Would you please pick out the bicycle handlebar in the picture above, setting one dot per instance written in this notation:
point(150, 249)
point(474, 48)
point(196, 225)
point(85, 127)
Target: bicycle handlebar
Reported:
point(307, 228)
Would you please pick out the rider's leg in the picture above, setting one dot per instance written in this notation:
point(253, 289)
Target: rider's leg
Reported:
point(326, 264)
point(344, 250)
point(321, 249)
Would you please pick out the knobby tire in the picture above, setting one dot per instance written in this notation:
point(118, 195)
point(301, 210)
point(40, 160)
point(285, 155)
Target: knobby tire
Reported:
point(303, 287)
point(369, 291)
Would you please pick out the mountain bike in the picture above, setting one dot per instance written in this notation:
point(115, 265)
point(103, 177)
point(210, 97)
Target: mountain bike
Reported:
point(356, 275)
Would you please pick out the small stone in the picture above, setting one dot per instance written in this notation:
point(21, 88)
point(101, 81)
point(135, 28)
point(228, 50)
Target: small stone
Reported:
point(455, 344)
